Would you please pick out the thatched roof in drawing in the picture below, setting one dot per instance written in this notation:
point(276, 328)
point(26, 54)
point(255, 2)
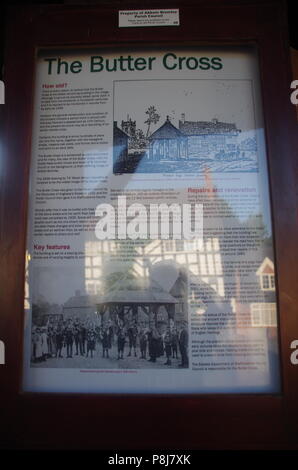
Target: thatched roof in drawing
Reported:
point(207, 127)
point(166, 131)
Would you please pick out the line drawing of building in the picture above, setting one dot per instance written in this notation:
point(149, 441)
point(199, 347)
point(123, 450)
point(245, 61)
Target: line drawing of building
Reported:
point(194, 140)
point(129, 126)
point(187, 147)
point(120, 144)
point(209, 138)
point(167, 142)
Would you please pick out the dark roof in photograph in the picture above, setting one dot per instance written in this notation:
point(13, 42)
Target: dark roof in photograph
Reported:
point(139, 291)
point(207, 127)
point(167, 131)
point(82, 301)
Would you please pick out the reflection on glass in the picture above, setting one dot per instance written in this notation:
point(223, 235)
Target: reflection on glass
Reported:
point(171, 315)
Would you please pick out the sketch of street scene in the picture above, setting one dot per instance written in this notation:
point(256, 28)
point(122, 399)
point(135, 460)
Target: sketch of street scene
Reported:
point(164, 139)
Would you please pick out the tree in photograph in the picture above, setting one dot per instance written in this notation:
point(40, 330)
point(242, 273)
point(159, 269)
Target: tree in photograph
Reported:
point(153, 118)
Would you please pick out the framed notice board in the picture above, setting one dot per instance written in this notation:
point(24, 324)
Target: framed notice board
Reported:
point(149, 227)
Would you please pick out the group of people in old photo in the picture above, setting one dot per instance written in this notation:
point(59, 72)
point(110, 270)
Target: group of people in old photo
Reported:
point(118, 340)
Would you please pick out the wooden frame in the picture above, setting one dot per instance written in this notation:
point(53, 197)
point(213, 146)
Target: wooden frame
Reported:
point(180, 422)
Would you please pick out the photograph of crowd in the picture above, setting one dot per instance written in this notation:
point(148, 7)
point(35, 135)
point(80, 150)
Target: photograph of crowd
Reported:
point(133, 321)
point(60, 340)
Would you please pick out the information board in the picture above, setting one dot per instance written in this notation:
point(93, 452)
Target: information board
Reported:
point(150, 265)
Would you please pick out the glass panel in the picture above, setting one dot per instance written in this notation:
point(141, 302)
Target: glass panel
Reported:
point(133, 152)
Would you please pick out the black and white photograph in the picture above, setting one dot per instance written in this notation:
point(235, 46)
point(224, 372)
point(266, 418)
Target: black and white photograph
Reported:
point(133, 321)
